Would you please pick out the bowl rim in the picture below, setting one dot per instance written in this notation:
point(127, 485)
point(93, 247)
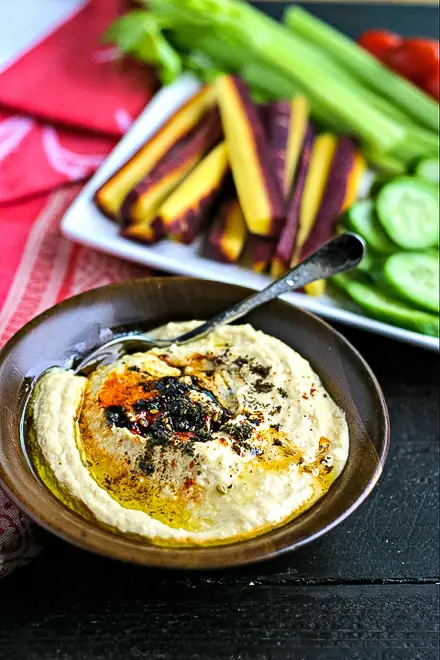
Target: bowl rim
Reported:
point(215, 556)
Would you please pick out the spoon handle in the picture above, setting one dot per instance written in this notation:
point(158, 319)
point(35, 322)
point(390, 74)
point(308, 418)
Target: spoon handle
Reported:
point(336, 256)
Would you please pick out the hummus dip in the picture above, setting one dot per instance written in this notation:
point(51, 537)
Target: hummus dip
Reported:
point(215, 441)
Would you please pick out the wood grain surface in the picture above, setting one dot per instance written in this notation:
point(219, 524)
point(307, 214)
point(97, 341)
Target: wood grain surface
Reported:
point(221, 622)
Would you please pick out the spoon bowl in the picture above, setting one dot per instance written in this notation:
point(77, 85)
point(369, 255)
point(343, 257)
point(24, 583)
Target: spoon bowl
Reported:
point(73, 327)
point(338, 255)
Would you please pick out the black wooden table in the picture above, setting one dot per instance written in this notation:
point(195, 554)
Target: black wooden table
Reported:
point(368, 590)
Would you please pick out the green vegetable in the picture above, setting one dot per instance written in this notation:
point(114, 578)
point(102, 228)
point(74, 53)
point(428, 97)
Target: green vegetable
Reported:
point(408, 210)
point(323, 59)
point(429, 170)
point(414, 276)
point(385, 308)
point(385, 163)
point(356, 60)
point(427, 139)
point(280, 87)
point(361, 218)
point(202, 66)
point(211, 37)
point(233, 34)
point(418, 143)
point(334, 70)
point(138, 33)
point(226, 51)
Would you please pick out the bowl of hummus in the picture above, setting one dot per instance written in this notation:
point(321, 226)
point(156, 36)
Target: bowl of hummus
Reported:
point(232, 448)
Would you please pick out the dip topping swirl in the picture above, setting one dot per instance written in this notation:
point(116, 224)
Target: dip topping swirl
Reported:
point(208, 442)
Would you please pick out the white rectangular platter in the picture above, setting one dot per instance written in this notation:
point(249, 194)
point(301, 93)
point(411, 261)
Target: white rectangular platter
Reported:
point(85, 224)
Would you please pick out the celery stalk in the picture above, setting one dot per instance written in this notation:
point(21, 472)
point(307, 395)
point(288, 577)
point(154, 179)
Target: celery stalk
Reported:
point(139, 33)
point(426, 139)
point(334, 69)
point(273, 45)
point(385, 163)
point(223, 51)
point(415, 102)
point(370, 124)
point(280, 87)
point(232, 57)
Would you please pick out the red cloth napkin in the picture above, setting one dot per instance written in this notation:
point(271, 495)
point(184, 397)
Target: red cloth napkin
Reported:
point(63, 106)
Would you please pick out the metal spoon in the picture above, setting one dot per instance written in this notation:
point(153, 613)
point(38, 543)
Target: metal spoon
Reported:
point(337, 256)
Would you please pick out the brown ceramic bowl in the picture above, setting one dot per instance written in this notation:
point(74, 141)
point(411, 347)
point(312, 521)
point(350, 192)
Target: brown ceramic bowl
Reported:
point(76, 325)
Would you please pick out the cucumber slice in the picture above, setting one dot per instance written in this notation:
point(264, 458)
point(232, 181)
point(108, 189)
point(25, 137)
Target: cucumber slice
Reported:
point(385, 308)
point(414, 276)
point(361, 219)
point(428, 170)
point(408, 210)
